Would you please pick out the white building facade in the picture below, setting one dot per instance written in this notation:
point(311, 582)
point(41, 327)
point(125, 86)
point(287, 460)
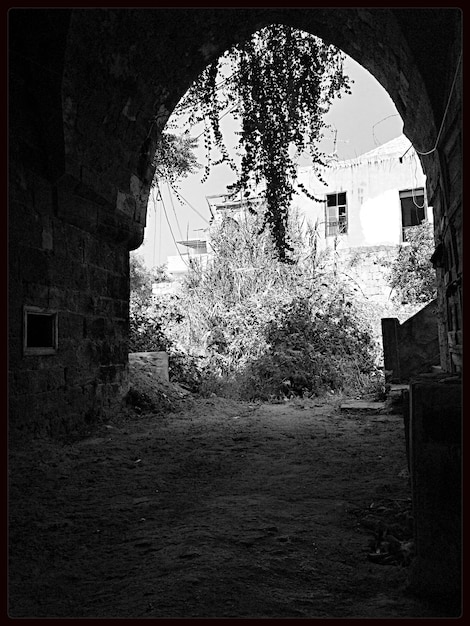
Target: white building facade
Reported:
point(367, 201)
point(362, 210)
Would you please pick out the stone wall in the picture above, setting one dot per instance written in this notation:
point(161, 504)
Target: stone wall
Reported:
point(60, 260)
point(156, 361)
point(411, 348)
point(90, 92)
point(368, 268)
point(442, 162)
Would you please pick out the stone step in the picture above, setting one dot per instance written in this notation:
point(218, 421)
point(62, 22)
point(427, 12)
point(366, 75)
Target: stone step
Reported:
point(362, 405)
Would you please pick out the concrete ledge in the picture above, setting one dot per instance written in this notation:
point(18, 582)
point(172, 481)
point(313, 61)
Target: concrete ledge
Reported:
point(362, 405)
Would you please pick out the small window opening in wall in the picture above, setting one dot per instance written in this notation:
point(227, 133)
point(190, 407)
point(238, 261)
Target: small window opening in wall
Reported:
point(336, 214)
point(40, 334)
point(413, 208)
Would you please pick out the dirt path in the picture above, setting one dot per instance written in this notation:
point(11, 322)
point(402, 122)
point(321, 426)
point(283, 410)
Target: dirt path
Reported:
point(224, 510)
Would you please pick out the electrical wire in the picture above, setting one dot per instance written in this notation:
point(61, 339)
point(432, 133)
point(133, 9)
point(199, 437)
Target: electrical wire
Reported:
point(160, 238)
point(444, 116)
point(154, 226)
point(169, 225)
point(229, 110)
point(173, 207)
point(379, 122)
point(190, 205)
point(416, 186)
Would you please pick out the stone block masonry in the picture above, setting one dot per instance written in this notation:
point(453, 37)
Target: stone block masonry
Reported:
point(90, 92)
point(157, 360)
point(411, 348)
point(83, 279)
point(368, 268)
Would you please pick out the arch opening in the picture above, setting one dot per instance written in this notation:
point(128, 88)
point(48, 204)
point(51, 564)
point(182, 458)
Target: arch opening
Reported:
point(379, 212)
point(90, 94)
point(111, 127)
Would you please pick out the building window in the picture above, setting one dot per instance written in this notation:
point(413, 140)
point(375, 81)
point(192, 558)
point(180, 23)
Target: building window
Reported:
point(40, 334)
point(413, 208)
point(336, 214)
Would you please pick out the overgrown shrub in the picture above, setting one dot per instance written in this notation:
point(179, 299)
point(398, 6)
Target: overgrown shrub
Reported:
point(250, 327)
point(146, 330)
point(312, 350)
point(152, 321)
point(412, 275)
point(267, 329)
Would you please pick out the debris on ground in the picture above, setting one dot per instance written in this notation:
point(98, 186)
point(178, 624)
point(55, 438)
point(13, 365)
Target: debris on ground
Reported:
point(215, 509)
point(149, 392)
point(391, 524)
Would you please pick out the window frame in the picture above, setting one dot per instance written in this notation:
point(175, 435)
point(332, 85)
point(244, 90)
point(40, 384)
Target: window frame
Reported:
point(340, 223)
point(413, 193)
point(40, 350)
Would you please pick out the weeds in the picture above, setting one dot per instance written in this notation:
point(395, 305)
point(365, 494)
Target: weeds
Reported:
point(250, 327)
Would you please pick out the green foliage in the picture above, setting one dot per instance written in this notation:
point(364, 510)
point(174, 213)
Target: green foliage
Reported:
point(142, 279)
point(412, 275)
point(153, 321)
point(237, 290)
point(147, 319)
point(282, 82)
point(314, 346)
point(147, 330)
point(267, 329)
point(175, 157)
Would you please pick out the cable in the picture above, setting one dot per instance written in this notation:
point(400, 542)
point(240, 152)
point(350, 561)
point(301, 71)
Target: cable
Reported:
point(169, 225)
point(226, 79)
point(229, 110)
point(190, 205)
point(160, 239)
point(444, 116)
point(173, 207)
point(415, 187)
point(154, 226)
point(379, 122)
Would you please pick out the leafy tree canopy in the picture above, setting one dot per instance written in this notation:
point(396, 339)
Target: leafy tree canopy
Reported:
point(142, 279)
point(412, 275)
point(281, 83)
point(175, 157)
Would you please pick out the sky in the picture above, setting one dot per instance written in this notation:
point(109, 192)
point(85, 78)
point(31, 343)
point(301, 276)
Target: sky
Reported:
point(363, 120)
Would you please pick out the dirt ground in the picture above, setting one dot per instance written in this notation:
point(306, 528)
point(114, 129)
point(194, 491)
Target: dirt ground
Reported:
point(221, 509)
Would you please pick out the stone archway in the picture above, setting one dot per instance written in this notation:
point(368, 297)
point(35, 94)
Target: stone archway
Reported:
point(90, 91)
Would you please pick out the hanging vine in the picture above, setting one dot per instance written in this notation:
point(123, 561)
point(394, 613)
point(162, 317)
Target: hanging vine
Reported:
point(174, 158)
point(279, 84)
